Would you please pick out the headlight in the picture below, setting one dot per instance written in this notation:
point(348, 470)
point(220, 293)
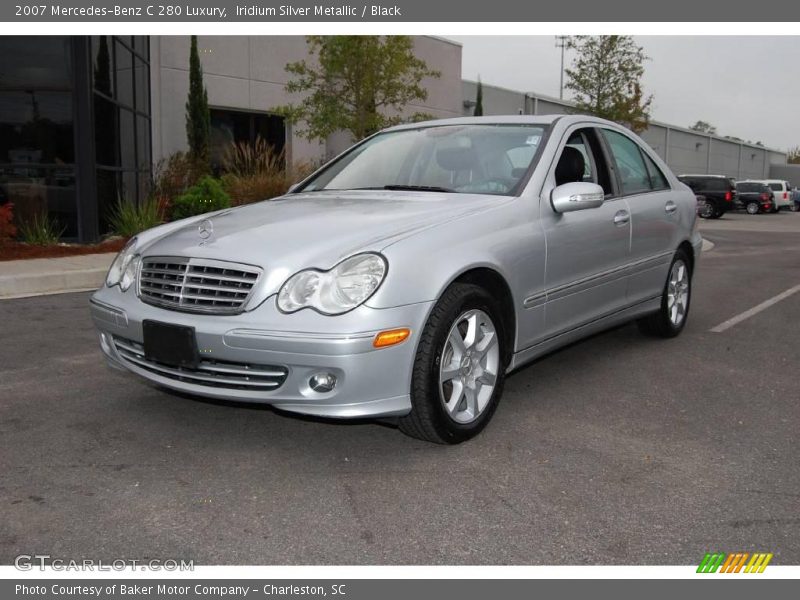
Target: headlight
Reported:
point(347, 285)
point(120, 265)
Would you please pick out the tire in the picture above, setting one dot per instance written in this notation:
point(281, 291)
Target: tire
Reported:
point(669, 321)
point(794, 207)
point(441, 411)
point(752, 208)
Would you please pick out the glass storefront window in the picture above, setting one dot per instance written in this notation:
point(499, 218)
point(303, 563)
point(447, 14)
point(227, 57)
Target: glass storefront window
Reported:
point(46, 128)
point(123, 74)
point(35, 63)
point(37, 143)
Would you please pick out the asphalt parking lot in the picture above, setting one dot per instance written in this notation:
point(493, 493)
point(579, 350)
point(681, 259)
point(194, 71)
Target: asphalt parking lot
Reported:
point(617, 450)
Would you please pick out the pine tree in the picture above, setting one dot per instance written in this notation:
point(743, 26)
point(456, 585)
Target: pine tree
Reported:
point(198, 117)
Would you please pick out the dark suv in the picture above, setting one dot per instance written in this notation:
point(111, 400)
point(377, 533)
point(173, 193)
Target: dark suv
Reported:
point(754, 197)
point(718, 192)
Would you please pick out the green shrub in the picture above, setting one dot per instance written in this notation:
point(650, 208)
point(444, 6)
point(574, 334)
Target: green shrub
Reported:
point(41, 230)
point(173, 176)
point(127, 218)
point(205, 196)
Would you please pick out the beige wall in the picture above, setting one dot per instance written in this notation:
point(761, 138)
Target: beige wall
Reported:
point(247, 73)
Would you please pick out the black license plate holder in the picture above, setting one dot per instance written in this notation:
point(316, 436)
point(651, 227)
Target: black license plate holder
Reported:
point(171, 345)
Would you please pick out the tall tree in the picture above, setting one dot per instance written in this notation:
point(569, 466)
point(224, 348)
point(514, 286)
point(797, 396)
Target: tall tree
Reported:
point(793, 156)
point(355, 83)
point(479, 99)
point(704, 127)
point(198, 117)
point(605, 78)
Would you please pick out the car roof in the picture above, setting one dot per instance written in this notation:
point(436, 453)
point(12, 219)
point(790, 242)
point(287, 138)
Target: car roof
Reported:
point(704, 175)
point(504, 120)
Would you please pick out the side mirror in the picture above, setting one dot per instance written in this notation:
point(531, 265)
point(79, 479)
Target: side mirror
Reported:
point(576, 196)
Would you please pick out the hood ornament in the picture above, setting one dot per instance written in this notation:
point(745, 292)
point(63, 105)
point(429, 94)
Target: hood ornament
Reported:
point(205, 230)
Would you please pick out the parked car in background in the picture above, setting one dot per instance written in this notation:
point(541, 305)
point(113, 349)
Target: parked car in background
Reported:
point(754, 197)
point(782, 191)
point(406, 277)
point(719, 192)
point(796, 199)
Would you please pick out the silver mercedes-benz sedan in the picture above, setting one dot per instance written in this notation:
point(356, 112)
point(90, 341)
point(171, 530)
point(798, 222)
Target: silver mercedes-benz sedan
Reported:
point(408, 276)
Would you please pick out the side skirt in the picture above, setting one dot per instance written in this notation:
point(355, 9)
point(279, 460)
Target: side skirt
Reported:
point(616, 318)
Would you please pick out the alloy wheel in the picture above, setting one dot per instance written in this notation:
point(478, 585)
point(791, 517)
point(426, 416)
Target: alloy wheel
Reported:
point(469, 364)
point(678, 292)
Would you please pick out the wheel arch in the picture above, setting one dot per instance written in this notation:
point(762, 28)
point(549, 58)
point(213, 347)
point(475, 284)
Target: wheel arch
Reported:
point(495, 284)
point(687, 247)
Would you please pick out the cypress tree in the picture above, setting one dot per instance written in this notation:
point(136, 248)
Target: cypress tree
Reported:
point(479, 99)
point(198, 117)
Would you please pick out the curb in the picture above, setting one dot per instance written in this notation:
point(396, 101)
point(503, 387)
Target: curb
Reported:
point(38, 277)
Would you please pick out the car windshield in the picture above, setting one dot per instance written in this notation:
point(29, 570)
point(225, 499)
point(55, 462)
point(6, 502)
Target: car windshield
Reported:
point(467, 159)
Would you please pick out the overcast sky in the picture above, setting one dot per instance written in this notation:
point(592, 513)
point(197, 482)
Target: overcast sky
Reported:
point(746, 86)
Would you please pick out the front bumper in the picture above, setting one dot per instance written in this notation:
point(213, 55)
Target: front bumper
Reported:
point(370, 382)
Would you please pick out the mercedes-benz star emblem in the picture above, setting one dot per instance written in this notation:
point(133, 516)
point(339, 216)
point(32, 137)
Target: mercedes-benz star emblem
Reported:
point(205, 229)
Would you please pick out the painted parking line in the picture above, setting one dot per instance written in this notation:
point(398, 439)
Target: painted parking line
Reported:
point(755, 310)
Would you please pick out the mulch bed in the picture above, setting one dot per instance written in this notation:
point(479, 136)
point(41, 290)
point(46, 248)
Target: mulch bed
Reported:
point(19, 250)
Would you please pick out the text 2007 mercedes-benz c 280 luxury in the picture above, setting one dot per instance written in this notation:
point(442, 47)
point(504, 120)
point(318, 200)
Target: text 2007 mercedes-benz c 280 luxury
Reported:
point(409, 275)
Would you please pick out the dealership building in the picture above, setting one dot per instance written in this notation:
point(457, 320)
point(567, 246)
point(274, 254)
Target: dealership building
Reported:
point(84, 121)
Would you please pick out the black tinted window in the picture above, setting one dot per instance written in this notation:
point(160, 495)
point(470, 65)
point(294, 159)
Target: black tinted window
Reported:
point(630, 164)
point(658, 180)
point(717, 185)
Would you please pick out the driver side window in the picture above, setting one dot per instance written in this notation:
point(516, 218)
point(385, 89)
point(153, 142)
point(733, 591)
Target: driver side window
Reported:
point(582, 160)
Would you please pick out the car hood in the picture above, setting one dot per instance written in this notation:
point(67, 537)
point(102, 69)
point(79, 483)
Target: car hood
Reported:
point(316, 229)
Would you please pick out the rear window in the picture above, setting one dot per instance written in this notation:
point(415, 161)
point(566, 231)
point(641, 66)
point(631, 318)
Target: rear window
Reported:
point(716, 184)
point(709, 184)
point(776, 187)
point(749, 187)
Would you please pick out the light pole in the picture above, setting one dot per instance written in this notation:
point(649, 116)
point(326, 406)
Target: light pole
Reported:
point(561, 42)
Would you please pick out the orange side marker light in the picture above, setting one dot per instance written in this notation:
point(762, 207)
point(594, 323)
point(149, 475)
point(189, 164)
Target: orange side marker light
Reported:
point(391, 337)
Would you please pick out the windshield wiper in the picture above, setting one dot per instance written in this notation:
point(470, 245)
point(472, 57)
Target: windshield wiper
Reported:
point(418, 188)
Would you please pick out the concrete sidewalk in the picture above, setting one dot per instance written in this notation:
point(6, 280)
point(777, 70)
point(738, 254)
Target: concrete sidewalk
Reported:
point(37, 276)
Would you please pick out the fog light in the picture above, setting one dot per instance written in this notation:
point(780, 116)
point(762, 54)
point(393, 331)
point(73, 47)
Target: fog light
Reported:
point(322, 382)
point(105, 342)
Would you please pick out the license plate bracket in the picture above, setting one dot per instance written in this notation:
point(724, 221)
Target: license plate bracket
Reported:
point(169, 344)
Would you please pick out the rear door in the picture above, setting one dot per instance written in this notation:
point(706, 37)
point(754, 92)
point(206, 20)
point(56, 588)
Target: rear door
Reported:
point(655, 215)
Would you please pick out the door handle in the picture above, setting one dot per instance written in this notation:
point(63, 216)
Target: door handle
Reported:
point(622, 217)
point(670, 207)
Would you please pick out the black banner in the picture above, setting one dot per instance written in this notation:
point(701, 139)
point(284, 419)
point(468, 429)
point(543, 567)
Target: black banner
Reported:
point(403, 11)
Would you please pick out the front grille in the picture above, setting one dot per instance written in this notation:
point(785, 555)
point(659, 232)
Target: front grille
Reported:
point(211, 373)
point(196, 285)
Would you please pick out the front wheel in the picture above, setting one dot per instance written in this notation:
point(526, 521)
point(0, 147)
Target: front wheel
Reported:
point(459, 368)
point(671, 317)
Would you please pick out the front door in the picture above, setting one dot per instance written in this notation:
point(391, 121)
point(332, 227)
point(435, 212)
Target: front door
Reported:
point(587, 250)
